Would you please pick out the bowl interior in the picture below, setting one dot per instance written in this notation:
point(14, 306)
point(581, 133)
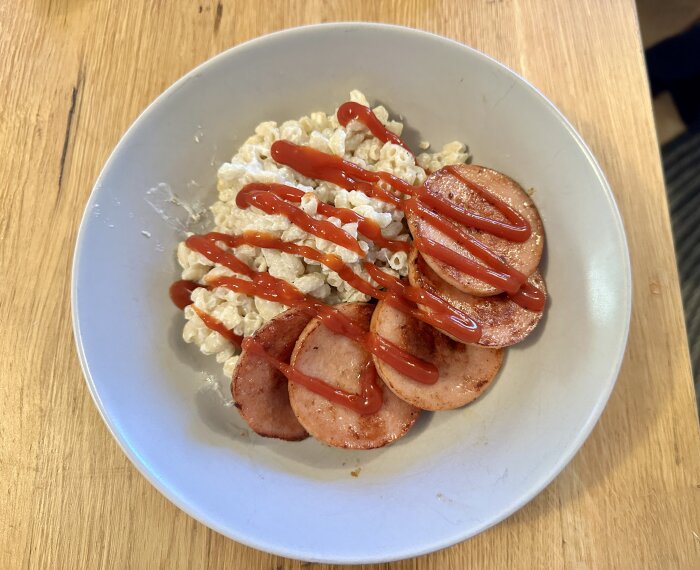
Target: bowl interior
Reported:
point(457, 472)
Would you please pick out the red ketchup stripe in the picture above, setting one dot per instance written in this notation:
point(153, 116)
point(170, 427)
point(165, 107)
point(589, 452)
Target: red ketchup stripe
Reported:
point(517, 230)
point(469, 242)
point(259, 195)
point(443, 253)
point(442, 315)
point(180, 293)
point(351, 111)
point(216, 325)
point(368, 401)
point(313, 163)
point(530, 297)
point(368, 228)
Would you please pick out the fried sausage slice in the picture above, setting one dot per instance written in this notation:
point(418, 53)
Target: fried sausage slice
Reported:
point(503, 322)
point(260, 390)
point(338, 361)
point(466, 370)
point(524, 256)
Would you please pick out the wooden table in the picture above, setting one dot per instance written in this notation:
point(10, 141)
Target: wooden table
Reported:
point(76, 73)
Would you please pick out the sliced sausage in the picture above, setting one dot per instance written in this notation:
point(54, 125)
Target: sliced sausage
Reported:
point(503, 322)
point(465, 370)
point(338, 361)
point(260, 390)
point(523, 256)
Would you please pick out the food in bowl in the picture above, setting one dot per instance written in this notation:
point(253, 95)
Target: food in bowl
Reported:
point(319, 218)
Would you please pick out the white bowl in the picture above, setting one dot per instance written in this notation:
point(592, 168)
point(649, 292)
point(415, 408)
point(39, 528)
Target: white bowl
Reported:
point(456, 473)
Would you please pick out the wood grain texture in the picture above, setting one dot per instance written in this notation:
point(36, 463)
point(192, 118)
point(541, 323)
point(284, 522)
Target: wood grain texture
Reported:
point(76, 73)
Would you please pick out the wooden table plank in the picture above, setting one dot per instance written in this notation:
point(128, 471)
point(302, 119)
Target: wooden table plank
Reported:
point(77, 73)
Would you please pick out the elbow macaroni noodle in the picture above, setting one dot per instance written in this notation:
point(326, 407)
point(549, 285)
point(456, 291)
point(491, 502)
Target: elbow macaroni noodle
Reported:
point(252, 163)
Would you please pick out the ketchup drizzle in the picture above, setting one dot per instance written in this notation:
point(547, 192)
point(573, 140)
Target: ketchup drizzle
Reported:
point(180, 292)
point(441, 213)
point(445, 216)
point(215, 324)
point(355, 111)
point(368, 401)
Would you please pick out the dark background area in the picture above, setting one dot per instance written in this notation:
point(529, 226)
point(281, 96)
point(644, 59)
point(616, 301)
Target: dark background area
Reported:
point(671, 37)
